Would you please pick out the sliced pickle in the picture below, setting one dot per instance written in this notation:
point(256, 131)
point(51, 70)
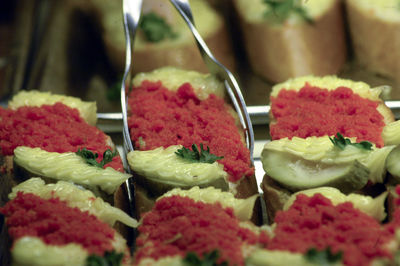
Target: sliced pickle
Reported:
point(297, 174)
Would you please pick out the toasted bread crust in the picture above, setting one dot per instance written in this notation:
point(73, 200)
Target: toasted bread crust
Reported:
point(275, 196)
point(7, 180)
point(278, 53)
point(247, 187)
point(375, 41)
point(185, 56)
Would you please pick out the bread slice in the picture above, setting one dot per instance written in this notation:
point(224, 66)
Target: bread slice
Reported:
point(195, 221)
point(374, 27)
point(323, 222)
point(278, 51)
point(156, 169)
point(32, 250)
point(298, 162)
point(22, 162)
point(180, 51)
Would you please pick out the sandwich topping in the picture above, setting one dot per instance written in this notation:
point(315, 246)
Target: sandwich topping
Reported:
point(54, 128)
point(313, 111)
point(315, 223)
point(178, 225)
point(55, 223)
point(162, 118)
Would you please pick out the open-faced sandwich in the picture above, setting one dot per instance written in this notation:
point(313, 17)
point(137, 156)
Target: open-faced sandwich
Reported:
point(291, 38)
point(62, 224)
point(185, 134)
point(163, 38)
point(327, 132)
point(54, 136)
point(191, 227)
point(325, 227)
point(375, 31)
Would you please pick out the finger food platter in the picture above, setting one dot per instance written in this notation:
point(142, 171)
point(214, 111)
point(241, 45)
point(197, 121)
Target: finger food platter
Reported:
point(57, 47)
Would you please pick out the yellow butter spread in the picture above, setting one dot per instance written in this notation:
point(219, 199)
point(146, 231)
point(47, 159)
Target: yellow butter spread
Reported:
point(386, 10)
point(172, 78)
point(162, 164)
point(253, 10)
point(69, 167)
point(374, 207)
point(243, 208)
point(83, 199)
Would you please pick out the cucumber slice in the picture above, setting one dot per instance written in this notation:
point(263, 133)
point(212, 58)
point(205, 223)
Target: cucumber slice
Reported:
point(297, 174)
point(161, 170)
point(68, 166)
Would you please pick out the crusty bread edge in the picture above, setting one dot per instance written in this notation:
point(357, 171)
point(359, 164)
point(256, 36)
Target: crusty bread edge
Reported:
point(278, 53)
point(186, 56)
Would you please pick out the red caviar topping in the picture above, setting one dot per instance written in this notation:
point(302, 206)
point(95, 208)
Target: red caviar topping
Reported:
point(314, 111)
point(162, 118)
point(177, 225)
point(54, 128)
point(313, 222)
point(56, 223)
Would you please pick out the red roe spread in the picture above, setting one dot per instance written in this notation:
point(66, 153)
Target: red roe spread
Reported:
point(162, 118)
point(394, 224)
point(313, 222)
point(313, 111)
point(55, 223)
point(54, 128)
point(178, 225)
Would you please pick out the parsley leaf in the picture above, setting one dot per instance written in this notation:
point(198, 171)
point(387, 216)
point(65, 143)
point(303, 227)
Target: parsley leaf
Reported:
point(341, 142)
point(196, 156)
point(280, 10)
point(91, 157)
point(114, 92)
point(209, 259)
point(110, 258)
point(155, 28)
point(323, 257)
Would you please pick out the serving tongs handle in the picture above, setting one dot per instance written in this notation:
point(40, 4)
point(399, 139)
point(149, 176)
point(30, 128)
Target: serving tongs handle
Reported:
point(216, 68)
point(131, 16)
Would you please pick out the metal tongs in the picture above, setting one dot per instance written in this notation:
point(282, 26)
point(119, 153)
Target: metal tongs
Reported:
point(131, 11)
point(222, 73)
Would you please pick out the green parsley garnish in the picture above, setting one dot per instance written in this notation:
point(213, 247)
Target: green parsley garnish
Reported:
point(110, 258)
point(341, 142)
point(155, 28)
point(196, 156)
point(280, 10)
point(91, 157)
point(209, 259)
point(113, 93)
point(323, 257)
